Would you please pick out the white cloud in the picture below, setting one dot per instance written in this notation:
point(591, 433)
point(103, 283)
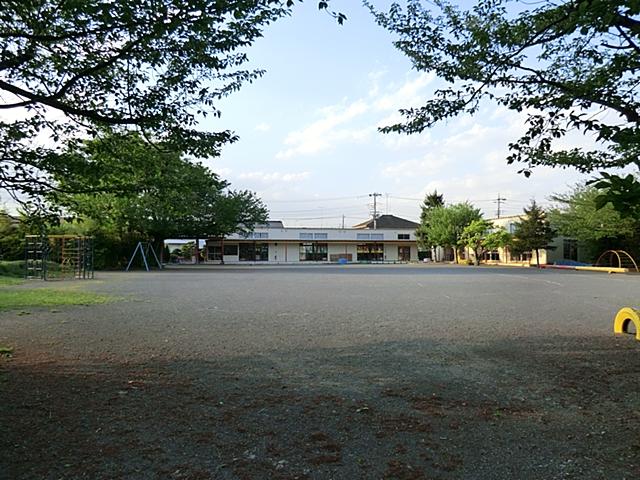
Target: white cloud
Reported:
point(263, 127)
point(274, 177)
point(406, 95)
point(223, 171)
point(323, 134)
point(356, 121)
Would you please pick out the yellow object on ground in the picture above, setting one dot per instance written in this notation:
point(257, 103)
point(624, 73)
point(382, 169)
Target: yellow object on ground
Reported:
point(624, 318)
point(604, 269)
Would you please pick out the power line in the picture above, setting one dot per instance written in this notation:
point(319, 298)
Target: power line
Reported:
point(304, 200)
point(499, 201)
point(375, 208)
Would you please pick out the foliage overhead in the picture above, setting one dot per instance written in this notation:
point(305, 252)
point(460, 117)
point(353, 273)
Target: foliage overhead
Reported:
point(570, 65)
point(69, 69)
point(533, 232)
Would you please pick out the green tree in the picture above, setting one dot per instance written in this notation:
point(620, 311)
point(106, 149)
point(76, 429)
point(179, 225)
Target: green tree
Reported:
point(68, 69)
point(481, 236)
point(431, 201)
point(569, 65)
point(578, 215)
point(11, 237)
point(533, 232)
point(446, 224)
point(165, 195)
point(498, 238)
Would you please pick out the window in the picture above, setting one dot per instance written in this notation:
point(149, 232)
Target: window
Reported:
point(492, 255)
point(377, 236)
point(370, 252)
point(306, 236)
point(403, 236)
point(231, 249)
point(313, 252)
point(214, 253)
point(256, 235)
point(570, 249)
point(363, 236)
point(404, 254)
point(320, 236)
point(252, 252)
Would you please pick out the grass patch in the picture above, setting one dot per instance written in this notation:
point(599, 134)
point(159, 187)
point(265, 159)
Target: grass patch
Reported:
point(10, 281)
point(12, 268)
point(44, 297)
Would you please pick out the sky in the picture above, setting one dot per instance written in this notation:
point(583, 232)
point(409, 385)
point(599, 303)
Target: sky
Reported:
point(309, 142)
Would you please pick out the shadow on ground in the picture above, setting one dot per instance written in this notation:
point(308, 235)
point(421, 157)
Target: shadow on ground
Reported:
point(542, 408)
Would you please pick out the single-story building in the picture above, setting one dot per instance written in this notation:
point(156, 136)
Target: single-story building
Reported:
point(387, 239)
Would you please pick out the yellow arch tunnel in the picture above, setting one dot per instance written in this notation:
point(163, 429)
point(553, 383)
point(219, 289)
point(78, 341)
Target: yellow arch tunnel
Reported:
point(624, 318)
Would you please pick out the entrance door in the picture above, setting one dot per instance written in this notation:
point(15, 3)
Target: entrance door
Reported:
point(404, 254)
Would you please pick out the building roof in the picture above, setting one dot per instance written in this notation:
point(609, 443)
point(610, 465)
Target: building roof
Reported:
point(388, 221)
point(271, 224)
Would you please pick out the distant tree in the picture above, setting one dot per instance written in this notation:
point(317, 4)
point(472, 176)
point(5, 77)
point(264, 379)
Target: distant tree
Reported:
point(431, 201)
point(165, 195)
point(474, 236)
point(482, 236)
point(579, 216)
point(11, 237)
point(188, 250)
point(533, 232)
point(498, 238)
point(446, 224)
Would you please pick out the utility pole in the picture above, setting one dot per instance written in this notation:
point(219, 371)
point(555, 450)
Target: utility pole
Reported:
point(375, 208)
point(499, 201)
point(342, 221)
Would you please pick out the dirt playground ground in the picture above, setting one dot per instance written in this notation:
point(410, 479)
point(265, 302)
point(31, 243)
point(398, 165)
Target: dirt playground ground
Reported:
point(325, 372)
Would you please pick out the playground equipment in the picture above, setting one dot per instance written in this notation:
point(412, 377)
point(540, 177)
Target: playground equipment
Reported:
point(624, 318)
point(617, 260)
point(144, 249)
point(59, 257)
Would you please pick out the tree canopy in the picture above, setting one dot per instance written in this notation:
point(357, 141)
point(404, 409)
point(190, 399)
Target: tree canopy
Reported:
point(446, 224)
point(533, 232)
point(165, 196)
point(481, 236)
point(578, 215)
point(569, 65)
point(68, 69)
point(431, 201)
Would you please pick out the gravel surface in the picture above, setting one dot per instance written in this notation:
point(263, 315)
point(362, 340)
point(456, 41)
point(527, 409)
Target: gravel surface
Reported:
point(325, 372)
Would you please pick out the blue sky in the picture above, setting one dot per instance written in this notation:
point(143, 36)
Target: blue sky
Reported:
point(309, 144)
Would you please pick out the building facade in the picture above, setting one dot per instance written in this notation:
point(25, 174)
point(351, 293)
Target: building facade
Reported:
point(563, 249)
point(391, 239)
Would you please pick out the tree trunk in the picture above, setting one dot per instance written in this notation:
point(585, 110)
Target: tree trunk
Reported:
point(221, 250)
point(477, 259)
point(537, 258)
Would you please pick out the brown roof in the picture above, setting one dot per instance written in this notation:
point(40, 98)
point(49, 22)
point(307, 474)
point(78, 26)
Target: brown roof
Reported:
point(389, 221)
